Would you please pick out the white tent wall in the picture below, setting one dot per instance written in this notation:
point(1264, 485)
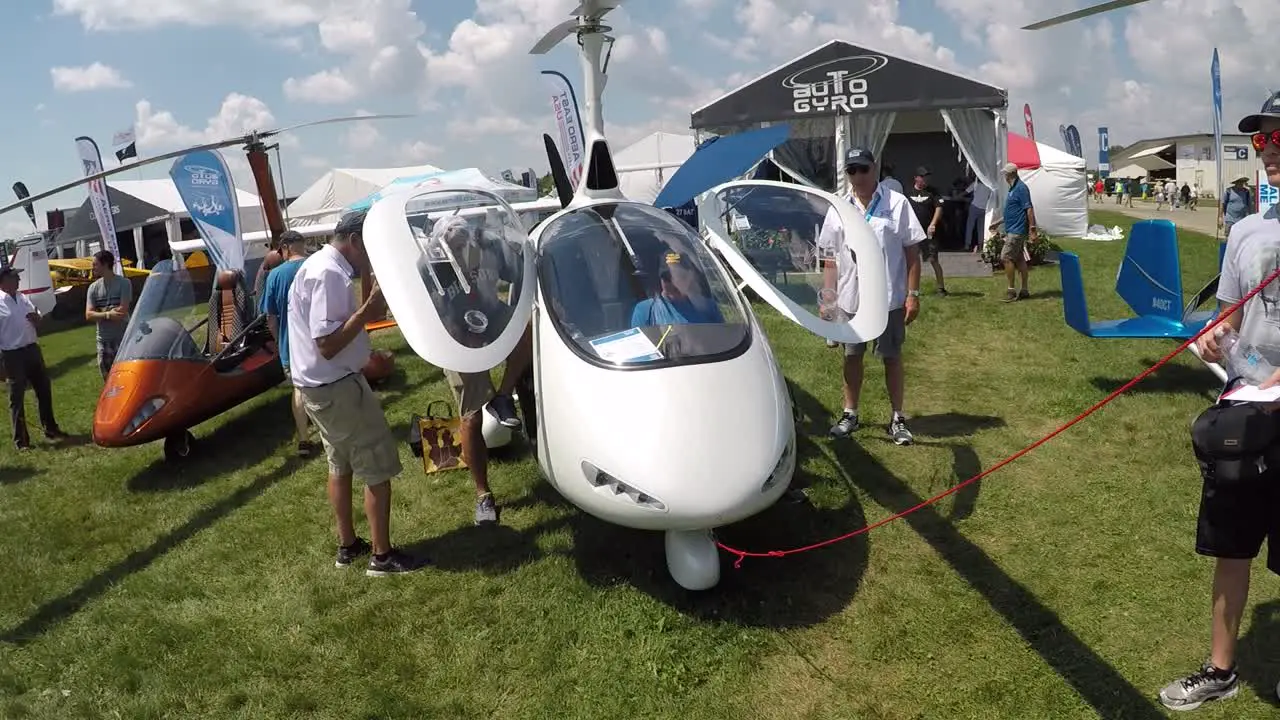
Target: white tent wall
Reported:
point(1058, 193)
point(340, 187)
point(657, 148)
point(164, 194)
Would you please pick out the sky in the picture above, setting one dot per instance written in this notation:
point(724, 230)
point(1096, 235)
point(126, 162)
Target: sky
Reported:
point(181, 72)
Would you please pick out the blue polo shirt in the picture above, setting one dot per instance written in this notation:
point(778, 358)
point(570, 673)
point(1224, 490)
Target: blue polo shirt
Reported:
point(665, 311)
point(275, 301)
point(1015, 208)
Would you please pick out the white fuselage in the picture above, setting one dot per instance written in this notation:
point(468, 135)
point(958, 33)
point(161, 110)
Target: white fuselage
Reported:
point(702, 439)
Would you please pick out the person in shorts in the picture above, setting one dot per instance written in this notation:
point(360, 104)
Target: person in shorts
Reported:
point(1019, 224)
point(1234, 520)
point(328, 348)
point(926, 203)
point(485, 264)
point(899, 233)
point(107, 304)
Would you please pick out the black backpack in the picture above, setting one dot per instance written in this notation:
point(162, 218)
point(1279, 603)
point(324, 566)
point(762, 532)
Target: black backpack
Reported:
point(1235, 442)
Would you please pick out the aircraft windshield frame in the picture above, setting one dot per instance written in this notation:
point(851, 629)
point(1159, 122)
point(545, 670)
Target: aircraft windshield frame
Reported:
point(679, 307)
point(165, 320)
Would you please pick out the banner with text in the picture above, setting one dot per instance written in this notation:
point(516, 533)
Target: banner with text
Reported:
point(99, 202)
point(204, 183)
point(573, 145)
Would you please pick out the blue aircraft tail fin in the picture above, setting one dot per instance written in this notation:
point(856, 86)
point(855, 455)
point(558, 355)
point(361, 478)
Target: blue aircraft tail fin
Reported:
point(1074, 306)
point(1150, 275)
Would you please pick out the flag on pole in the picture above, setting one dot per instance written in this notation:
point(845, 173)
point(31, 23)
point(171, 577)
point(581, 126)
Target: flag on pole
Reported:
point(564, 104)
point(1031, 127)
point(99, 200)
point(1216, 74)
point(125, 144)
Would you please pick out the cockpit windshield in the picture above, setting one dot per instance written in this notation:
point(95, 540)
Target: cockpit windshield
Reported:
point(471, 261)
point(165, 317)
point(632, 286)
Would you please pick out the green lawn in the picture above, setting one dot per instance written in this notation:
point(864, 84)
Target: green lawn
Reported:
point(1064, 586)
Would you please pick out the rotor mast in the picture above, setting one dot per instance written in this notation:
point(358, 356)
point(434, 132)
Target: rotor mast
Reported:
point(256, 152)
point(591, 36)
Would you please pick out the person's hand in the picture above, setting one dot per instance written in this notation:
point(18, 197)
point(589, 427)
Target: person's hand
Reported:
point(1268, 383)
point(1208, 345)
point(932, 229)
point(1035, 234)
point(116, 313)
point(375, 304)
point(912, 309)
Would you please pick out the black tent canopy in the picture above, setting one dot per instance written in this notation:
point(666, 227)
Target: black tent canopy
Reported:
point(840, 95)
point(127, 211)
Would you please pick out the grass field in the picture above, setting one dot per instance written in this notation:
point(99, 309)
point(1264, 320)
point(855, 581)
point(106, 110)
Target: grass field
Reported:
point(1064, 586)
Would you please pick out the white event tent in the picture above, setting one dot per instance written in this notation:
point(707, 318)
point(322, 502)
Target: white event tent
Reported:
point(340, 187)
point(648, 156)
point(1057, 183)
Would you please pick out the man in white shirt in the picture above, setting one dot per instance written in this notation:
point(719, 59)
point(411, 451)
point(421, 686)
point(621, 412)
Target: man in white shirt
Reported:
point(899, 234)
point(328, 348)
point(23, 361)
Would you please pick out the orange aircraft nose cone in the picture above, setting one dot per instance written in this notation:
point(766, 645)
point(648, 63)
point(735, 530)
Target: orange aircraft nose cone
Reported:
point(114, 405)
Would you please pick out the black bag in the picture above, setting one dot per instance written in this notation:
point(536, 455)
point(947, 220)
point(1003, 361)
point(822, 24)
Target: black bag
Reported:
point(1235, 443)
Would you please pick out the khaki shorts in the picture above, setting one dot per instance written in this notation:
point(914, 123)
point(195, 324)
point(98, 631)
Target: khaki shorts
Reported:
point(470, 390)
point(1013, 247)
point(889, 344)
point(357, 440)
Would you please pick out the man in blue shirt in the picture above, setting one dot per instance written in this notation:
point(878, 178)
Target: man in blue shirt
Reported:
point(1019, 223)
point(1237, 204)
point(681, 301)
point(274, 303)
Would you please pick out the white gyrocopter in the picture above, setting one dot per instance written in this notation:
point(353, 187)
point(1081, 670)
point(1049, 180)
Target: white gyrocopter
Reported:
point(659, 402)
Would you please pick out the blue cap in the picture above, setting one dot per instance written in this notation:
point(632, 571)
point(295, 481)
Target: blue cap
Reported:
point(859, 156)
point(352, 222)
point(1270, 109)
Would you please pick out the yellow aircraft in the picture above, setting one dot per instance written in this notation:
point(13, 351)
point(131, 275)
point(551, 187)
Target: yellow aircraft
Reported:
point(79, 271)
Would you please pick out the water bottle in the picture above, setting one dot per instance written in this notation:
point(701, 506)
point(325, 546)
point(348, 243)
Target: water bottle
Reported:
point(1243, 359)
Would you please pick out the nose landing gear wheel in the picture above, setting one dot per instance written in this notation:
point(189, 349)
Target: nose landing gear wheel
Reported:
point(180, 446)
point(692, 559)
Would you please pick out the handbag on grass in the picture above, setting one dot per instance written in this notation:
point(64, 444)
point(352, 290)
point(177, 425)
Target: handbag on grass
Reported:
point(437, 441)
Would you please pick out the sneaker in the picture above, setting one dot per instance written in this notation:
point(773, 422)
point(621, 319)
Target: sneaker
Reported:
point(503, 408)
point(348, 554)
point(1023, 294)
point(486, 510)
point(307, 449)
point(942, 292)
point(1207, 683)
point(1010, 295)
point(56, 434)
point(899, 432)
point(395, 562)
point(847, 423)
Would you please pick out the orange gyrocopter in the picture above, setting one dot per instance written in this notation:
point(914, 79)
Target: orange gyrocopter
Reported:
point(182, 363)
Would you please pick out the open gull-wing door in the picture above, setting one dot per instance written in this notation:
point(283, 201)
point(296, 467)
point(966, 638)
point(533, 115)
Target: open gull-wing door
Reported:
point(781, 239)
point(457, 270)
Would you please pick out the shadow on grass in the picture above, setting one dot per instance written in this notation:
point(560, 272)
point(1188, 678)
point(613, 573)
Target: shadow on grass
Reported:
point(1097, 682)
point(70, 364)
point(242, 442)
point(1259, 665)
point(11, 475)
point(55, 611)
point(1173, 379)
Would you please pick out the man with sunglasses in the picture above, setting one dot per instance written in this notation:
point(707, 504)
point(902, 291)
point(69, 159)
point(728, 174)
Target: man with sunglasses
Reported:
point(1235, 519)
point(899, 233)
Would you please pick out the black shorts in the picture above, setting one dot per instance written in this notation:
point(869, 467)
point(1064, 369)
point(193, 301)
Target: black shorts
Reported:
point(1235, 519)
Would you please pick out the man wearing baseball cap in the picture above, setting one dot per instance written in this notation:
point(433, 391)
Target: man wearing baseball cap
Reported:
point(23, 361)
point(899, 233)
point(1235, 518)
point(328, 349)
point(1019, 225)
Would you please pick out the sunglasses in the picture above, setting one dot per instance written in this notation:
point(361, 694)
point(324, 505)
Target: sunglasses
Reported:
point(1260, 140)
point(857, 169)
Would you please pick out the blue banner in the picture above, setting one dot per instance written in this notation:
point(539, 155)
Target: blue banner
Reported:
point(1104, 164)
point(1216, 75)
point(205, 186)
point(1073, 139)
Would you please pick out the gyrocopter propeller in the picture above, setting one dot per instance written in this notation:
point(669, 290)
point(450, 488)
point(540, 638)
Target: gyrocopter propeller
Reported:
point(1080, 14)
point(255, 151)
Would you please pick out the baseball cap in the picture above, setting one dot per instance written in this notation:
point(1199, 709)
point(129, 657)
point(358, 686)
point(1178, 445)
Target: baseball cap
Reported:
point(922, 171)
point(6, 272)
point(352, 222)
point(859, 156)
point(1270, 109)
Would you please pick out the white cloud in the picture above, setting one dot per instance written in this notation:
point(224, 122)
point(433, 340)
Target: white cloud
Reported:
point(144, 14)
point(326, 86)
point(88, 77)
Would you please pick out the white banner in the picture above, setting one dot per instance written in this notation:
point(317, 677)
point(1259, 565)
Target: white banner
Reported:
point(573, 149)
point(99, 202)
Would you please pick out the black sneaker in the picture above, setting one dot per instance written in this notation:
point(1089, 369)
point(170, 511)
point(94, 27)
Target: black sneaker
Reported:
point(942, 292)
point(486, 510)
point(847, 423)
point(1207, 683)
point(395, 562)
point(503, 408)
point(350, 553)
point(899, 432)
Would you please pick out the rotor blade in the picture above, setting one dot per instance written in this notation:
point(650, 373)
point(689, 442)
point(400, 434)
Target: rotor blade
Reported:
point(108, 173)
point(1078, 14)
point(595, 9)
point(349, 118)
point(553, 37)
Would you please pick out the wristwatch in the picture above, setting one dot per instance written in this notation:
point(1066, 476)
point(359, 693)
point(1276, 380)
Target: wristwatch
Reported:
point(914, 293)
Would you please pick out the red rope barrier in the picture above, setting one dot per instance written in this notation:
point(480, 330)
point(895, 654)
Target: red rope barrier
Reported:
point(744, 554)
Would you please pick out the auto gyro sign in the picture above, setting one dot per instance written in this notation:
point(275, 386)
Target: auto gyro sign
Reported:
point(838, 85)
